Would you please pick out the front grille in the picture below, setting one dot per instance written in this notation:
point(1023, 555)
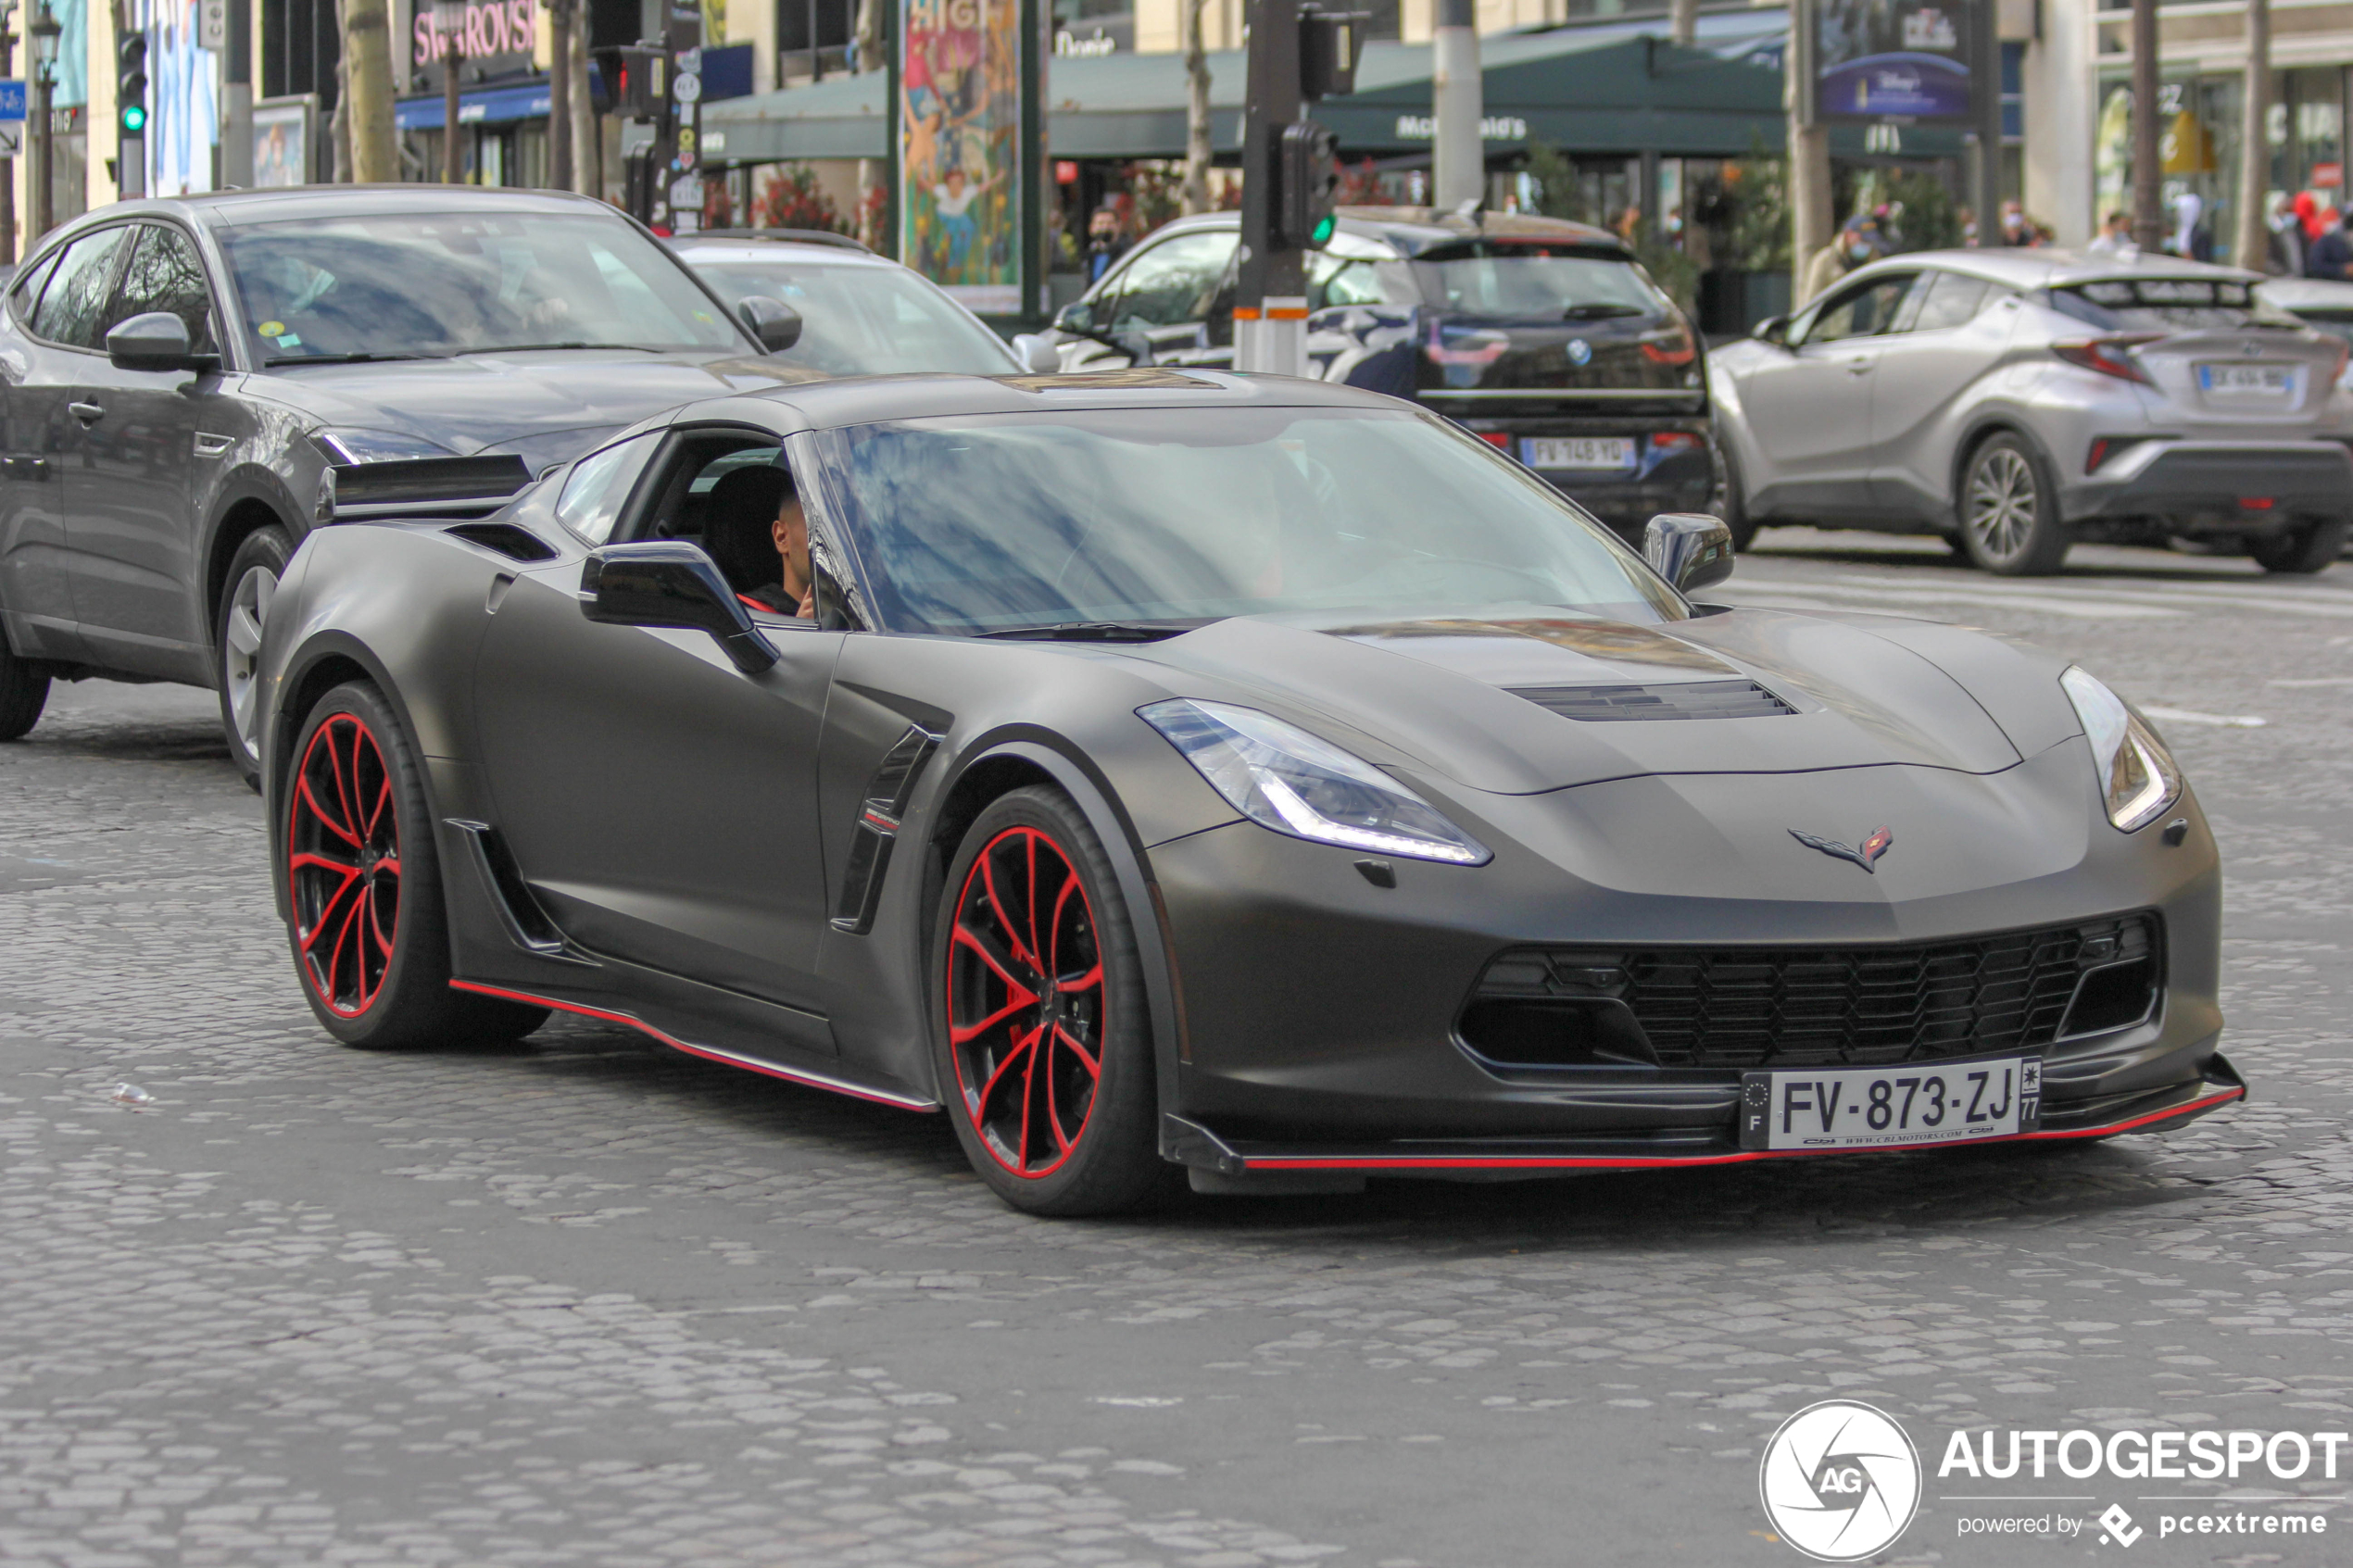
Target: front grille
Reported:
point(1693, 700)
point(1799, 1007)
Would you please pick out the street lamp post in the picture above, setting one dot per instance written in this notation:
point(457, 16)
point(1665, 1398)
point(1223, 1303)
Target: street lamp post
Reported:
point(44, 31)
point(450, 22)
point(8, 165)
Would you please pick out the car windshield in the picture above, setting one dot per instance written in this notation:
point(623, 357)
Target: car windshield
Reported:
point(434, 285)
point(2145, 304)
point(1520, 280)
point(1188, 515)
point(863, 318)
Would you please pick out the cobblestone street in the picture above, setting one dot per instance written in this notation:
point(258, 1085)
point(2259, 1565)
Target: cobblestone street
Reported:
point(584, 1302)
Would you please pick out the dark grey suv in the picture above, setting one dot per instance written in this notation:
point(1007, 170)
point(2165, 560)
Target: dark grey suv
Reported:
point(190, 383)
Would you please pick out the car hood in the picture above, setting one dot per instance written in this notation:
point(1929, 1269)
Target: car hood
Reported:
point(548, 406)
point(1441, 695)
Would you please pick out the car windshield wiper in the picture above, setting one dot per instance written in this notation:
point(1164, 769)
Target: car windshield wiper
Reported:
point(1094, 631)
point(528, 348)
point(1596, 312)
point(353, 358)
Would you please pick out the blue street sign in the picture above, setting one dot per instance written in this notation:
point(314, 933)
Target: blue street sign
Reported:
point(11, 100)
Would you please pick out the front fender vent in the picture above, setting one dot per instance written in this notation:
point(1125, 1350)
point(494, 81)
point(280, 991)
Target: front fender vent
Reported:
point(1687, 700)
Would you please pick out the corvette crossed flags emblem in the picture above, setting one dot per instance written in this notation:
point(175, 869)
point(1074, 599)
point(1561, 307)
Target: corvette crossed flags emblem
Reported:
point(1866, 857)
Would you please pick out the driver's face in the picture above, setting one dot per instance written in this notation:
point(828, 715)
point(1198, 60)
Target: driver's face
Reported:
point(791, 534)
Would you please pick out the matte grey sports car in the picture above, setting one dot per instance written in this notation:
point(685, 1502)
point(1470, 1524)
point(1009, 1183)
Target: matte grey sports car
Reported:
point(1257, 777)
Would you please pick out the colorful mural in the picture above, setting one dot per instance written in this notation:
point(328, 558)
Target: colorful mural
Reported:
point(959, 148)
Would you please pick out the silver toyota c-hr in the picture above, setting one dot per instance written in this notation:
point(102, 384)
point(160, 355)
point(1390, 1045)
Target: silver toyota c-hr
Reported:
point(2019, 401)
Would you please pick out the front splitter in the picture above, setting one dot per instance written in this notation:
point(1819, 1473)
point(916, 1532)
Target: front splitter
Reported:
point(2154, 1111)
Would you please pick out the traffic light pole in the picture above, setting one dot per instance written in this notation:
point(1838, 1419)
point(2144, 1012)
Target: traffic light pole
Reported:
point(1270, 297)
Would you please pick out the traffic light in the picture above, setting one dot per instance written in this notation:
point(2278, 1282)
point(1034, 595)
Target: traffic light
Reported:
point(1329, 45)
point(1306, 182)
point(131, 84)
point(635, 77)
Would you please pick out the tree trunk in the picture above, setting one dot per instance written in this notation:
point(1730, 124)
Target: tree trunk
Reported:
point(587, 132)
point(1682, 22)
point(560, 154)
point(867, 221)
point(2255, 143)
point(366, 99)
point(1197, 148)
point(2149, 206)
point(339, 125)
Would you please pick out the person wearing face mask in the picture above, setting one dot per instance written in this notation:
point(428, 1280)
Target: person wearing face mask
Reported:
point(1857, 244)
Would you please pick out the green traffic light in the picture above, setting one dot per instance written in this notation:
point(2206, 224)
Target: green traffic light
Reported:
point(1322, 233)
point(135, 118)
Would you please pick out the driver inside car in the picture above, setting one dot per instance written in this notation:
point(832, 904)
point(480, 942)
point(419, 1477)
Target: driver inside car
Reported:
point(757, 534)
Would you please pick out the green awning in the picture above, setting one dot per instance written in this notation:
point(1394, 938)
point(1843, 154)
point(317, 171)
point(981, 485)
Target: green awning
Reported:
point(1579, 91)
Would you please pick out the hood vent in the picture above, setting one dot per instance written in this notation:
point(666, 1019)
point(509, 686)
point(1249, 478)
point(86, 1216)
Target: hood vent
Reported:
point(1686, 700)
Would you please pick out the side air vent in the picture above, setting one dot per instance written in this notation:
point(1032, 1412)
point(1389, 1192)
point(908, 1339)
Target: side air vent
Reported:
point(506, 539)
point(1691, 700)
point(876, 829)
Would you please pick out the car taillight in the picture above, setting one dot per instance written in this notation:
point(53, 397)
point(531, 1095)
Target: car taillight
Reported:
point(1495, 438)
point(1669, 349)
point(1675, 441)
point(2106, 354)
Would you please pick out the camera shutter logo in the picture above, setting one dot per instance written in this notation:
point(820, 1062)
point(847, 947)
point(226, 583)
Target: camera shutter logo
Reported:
point(1840, 1481)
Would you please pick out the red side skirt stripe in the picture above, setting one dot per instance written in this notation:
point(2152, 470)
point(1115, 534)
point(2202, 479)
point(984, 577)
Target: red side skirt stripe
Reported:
point(709, 1053)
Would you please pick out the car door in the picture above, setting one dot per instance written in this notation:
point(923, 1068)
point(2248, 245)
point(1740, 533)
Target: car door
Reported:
point(660, 803)
point(135, 503)
point(54, 317)
point(1167, 291)
point(1809, 406)
point(1954, 331)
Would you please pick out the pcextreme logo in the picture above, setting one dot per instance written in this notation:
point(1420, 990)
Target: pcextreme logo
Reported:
point(1840, 1481)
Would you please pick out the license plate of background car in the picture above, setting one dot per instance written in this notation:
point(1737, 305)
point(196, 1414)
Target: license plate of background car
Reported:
point(1577, 452)
point(1823, 1107)
point(2246, 381)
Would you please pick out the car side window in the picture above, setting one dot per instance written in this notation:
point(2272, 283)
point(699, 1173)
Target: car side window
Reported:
point(74, 303)
point(598, 486)
point(1174, 282)
point(165, 273)
point(1338, 280)
point(1953, 300)
point(27, 292)
point(1863, 310)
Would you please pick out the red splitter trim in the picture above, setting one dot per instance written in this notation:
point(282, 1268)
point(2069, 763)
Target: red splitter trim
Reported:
point(1657, 1161)
point(709, 1053)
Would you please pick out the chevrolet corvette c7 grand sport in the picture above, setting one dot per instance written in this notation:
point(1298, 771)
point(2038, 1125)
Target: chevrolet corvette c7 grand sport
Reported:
point(1255, 778)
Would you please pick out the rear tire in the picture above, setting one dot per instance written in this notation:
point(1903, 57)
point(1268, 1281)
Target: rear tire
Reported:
point(2008, 509)
point(23, 693)
point(368, 935)
point(1731, 505)
point(245, 594)
point(1043, 1041)
point(2313, 547)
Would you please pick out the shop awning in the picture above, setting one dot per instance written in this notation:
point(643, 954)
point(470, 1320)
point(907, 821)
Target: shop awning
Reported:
point(1584, 90)
point(526, 99)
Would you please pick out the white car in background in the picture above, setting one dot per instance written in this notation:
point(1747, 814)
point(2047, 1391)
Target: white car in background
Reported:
point(861, 314)
point(2019, 401)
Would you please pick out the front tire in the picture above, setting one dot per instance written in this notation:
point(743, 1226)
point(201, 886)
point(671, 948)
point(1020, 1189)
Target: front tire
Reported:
point(1731, 505)
point(370, 937)
point(23, 693)
point(252, 582)
point(1043, 1039)
point(2008, 509)
point(2313, 547)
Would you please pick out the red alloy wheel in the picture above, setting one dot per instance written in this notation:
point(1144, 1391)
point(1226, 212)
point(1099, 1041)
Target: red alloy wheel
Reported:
point(343, 865)
point(1025, 1002)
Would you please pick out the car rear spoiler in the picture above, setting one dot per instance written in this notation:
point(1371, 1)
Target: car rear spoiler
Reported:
point(452, 488)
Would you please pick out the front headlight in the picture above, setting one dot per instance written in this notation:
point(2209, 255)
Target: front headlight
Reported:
point(1281, 777)
point(348, 447)
point(2138, 778)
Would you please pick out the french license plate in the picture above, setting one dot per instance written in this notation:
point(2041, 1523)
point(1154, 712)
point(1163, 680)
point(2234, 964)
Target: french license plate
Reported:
point(2248, 380)
point(1884, 1106)
point(1577, 451)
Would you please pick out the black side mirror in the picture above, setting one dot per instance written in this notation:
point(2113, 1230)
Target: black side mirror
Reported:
point(156, 340)
point(1773, 330)
point(775, 323)
point(1077, 318)
point(670, 582)
point(1688, 549)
